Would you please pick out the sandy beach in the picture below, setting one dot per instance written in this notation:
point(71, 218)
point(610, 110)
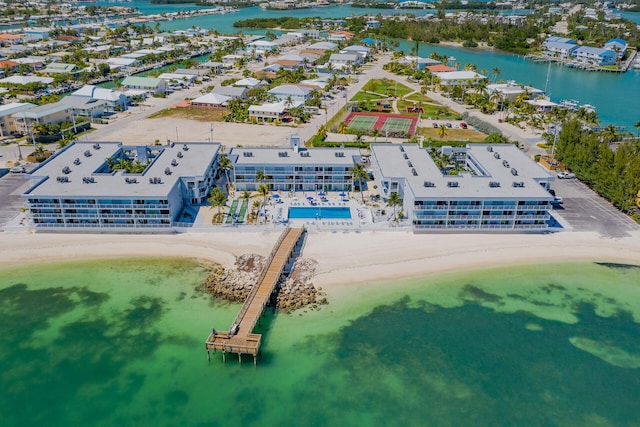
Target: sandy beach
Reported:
point(343, 258)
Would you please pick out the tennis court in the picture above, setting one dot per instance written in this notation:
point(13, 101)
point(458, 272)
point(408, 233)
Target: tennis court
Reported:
point(363, 122)
point(397, 125)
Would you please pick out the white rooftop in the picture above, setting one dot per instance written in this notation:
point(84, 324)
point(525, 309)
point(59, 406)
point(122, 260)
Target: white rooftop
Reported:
point(194, 162)
point(24, 80)
point(313, 156)
point(490, 166)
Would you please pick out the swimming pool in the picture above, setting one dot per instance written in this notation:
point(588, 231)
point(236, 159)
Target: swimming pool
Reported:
point(320, 212)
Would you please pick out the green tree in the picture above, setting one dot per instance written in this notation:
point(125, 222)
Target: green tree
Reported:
point(224, 165)
point(217, 199)
point(442, 131)
point(394, 201)
point(359, 174)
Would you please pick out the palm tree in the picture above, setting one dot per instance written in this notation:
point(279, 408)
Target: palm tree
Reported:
point(263, 190)
point(609, 133)
point(359, 173)
point(637, 126)
point(442, 131)
point(394, 200)
point(322, 132)
point(224, 164)
point(260, 177)
point(495, 73)
point(246, 195)
point(217, 199)
point(342, 128)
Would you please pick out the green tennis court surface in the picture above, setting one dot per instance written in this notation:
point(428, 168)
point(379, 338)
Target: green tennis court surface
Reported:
point(363, 122)
point(397, 125)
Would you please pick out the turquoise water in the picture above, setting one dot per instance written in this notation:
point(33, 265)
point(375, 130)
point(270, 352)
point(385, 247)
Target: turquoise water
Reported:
point(320, 213)
point(121, 342)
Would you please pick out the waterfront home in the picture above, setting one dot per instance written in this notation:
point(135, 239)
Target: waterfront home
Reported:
point(262, 46)
point(232, 92)
point(617, 45)
point(293, 93)
point(120, 63)
point(25, 80)
point(484, 188)
point(7, 122)
point(372, 24)
point(113, 98)
point(440, 68)
point(172, 78)
point(61, 68)
point(595, 56)
point(211, 100)
point(340, 35)
point(557, 39)
point(510, 91)
point(560, 50)
point(79, 187)
point(294, 168)
point(459, 78)
point(46, 114)
point(420, 63)
point(150, 85)
point(212, 66)
point(8, 67)
point(9, 39)
point(542, 105)
point(341, 60)
point(36, 33)
point(33, 62)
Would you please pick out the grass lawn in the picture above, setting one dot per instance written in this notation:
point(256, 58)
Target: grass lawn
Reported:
point(363, 96)
point(438, 112)
point(463, 135)
point(419, 98)
point(192, 113)
point(391, 88)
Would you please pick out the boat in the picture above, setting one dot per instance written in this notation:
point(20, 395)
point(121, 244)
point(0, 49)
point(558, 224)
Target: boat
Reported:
point(588, 108)
point(569, 104)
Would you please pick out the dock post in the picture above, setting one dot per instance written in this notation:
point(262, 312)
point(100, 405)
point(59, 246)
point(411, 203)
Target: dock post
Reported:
point(239, 358)
point(224, 357)
point(208, 356)
point(255, 360)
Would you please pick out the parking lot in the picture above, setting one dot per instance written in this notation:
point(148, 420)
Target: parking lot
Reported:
point(584, 210)
point(11, 186)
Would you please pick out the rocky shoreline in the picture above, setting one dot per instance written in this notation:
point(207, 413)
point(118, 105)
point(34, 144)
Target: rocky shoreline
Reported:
point(296, 291)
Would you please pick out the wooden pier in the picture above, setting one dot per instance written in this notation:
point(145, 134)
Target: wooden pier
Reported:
point(240, 338)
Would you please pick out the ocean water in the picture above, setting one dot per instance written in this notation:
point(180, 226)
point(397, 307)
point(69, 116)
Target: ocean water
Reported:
point(110, 342)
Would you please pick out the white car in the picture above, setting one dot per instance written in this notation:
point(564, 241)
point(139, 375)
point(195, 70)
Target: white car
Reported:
point(566, 175)
point(17, 169)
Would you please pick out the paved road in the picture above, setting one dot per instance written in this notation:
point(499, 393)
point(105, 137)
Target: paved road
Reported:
point(584, 210)
point(11, 186)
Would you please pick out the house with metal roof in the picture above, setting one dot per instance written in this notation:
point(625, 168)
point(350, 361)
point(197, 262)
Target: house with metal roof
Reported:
point(7, 122)
point(61, 68)
point(150, 85)
point(46, 114)
point(82, 186)
point(595, 55)
point(233, 92)
point(211, 100)
point(25, 80)
point(294, 93)
point(83, 106)
point(483, 188)
point(341, 60)
point(459, 78)
point(617, 45)
point(112, 97)
point(560, 49)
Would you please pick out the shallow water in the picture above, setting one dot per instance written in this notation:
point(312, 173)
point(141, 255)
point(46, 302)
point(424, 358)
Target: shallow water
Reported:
point(121, 342)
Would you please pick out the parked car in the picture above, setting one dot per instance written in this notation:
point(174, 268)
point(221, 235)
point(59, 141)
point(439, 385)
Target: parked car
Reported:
point(435, 125)
point(463, 125)
point(17, 169)
point(557, 200)
point(448, 125)
point(566, 175)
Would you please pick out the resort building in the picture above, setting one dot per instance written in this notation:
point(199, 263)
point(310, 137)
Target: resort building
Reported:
point(617, 45)
point(562, 50)
point(81, 187)
point(476, 188)
point(294, 168)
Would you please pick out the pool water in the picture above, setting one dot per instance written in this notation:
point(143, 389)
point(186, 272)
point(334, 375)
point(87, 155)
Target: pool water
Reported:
point(320, 212)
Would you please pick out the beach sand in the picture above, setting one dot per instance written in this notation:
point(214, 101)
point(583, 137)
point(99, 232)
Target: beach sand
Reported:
point(343, 258)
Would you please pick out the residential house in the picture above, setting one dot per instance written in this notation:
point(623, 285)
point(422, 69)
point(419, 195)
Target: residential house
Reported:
point(459, 78)
point(83, 106)
point(249, 83)
point(113, 98)
point(293, 93)
point(321, 47)
point(7, 122)
point(9, 39)
point(371, 24)
point(340, 61)
point(8, 66)
point(213, 67)
point(183, 79)
point(273, 110)
point(211, 100)
point(150, 85)
point(360, 50)
point(595, 55)
point(34, 62)
point(232, 92)
point(440, 68)
point(61, 68)
point(617, 45)
point(36, 33)
point(560, 49)
point(46, 114)
point(418, 62)
point(25, 80)
point(510, 91)
point(340, 35)
point(120, 63)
